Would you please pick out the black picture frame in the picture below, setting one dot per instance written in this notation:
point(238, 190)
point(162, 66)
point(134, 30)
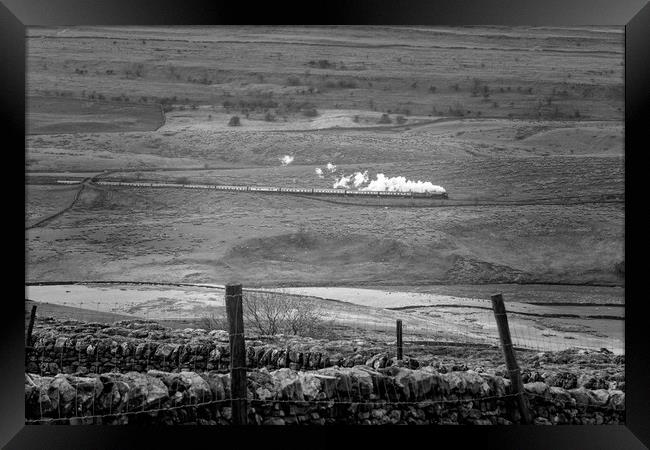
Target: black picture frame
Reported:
point(633, 14)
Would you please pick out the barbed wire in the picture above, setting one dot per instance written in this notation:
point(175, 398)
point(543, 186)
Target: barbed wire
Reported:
point(579, 404)
point(296, 402)
point(128, 413)
point(138, 353)
point(463, 331)
point(523, 335)
point(423, 403)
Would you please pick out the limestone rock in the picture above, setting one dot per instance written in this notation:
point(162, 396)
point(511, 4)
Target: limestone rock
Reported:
point(361, 385)
point(290, 387)
point(219, 335)
point(61, 393)
point(219, 384)
point(599, 397)
point(468, 381)
point(415, 384)
point(194, 388)
point(537, 388)
point(580, 395)
point(378, 361)
point(87, 390)
point(617, 399)
point(137, 390)
point(261, 384)
point(166, 350)
point(559, 394)
point(274, 421)
point(316, 386)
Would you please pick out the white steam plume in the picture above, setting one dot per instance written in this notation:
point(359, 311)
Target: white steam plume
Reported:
point(344, 182)
point(383, 183)
point(360, 178)
point(286, 160)
point(401, 184)
point(319, 172)
point(331, 167)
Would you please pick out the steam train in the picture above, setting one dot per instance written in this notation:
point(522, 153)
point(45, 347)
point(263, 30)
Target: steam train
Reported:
point(289, 190)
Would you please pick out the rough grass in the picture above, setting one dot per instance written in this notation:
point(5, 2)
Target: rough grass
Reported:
point(518, 150)
point(270, 239)
point(64, 115)
point(401, 66)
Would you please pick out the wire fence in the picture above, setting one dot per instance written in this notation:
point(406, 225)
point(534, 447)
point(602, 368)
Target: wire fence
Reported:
point(449, 325)
point(424, 330)
point(294, 408)
point(141, 341)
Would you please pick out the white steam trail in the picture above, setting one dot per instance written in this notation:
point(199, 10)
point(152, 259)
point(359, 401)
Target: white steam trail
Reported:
point(360, 178)
point(401, 184)
point(383, 183)
point(344, 182)
point(286, 160)
point(331, 167)
point(319, 172)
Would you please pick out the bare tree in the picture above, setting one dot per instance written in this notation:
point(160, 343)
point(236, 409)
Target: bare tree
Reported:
point(213, 322)
point(303, 316)
point(264, 311)
point(271, 313)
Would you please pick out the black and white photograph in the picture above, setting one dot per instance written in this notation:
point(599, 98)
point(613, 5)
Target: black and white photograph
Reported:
point(325, 225)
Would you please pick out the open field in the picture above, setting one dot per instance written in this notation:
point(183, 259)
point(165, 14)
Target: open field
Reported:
point(62, 115)
point(47, 200)
point(496, 179)
point(361, 313)
point(346, 66)
point(491, 114)
point(561, 93)
point(200, 236)
point(535, 294)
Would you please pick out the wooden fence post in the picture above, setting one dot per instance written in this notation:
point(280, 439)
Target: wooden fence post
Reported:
point(30, 328)
point(517, 384)
point(399, 340)
point(234, 309)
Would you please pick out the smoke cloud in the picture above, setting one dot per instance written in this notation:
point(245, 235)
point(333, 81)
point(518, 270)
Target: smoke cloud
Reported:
point(344, 182)
point(360, 178)
point(331, 167)
point(383, 183)
point(401, 184)
point(286, 160)
point(319, 172)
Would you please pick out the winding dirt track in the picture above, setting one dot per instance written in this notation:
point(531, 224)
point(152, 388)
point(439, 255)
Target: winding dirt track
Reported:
point(86, 182)
point(47, 219)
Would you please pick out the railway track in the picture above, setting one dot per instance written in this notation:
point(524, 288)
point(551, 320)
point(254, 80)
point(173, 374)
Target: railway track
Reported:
point(271, 189)
point(336, 196)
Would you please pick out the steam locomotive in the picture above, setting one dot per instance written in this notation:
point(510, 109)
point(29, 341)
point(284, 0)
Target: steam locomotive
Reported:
point(288, 190)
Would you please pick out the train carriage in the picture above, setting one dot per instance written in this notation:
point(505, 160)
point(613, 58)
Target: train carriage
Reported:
point(297, 190)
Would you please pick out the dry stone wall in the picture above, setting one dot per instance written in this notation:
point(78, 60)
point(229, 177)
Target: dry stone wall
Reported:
point(355, 395)
point(82, 348)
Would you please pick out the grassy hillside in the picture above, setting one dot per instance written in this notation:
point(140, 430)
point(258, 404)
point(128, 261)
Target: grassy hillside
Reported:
point(490, 113)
